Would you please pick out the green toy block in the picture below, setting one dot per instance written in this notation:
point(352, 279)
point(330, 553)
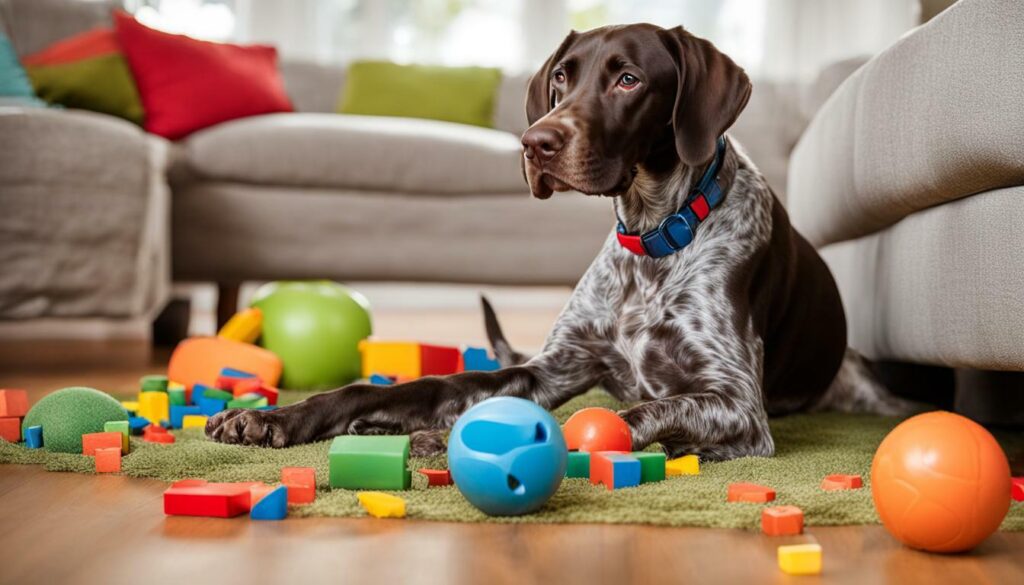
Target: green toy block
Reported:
point(217, 394)
point(370, 463)
point(579, 465)
point(652, 466)
point(119, 426)
point(253, 402)
point(154, 383)
point(176, 396)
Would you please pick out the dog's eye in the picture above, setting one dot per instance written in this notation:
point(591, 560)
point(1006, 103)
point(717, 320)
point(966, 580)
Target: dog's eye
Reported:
point(628, 81)
point(558, 76)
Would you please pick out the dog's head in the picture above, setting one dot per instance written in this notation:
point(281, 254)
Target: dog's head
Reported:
point(615, 97)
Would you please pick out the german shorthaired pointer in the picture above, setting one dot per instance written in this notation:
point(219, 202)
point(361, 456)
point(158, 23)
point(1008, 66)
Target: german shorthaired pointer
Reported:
point(704, 306)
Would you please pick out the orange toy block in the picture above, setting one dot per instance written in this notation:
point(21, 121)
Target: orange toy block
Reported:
point(749, 492)
point(200, 360)
point(436, 360)
point(782, 521)
point(840, 481)
point(13, 403)
point(390, 358)
point(301, 483)
point(93, 441)
point(10, 429)
point(108, 459)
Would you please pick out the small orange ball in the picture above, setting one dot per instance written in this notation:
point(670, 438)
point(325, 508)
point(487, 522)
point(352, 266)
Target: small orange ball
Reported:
point(597, 429)
point(940, 482)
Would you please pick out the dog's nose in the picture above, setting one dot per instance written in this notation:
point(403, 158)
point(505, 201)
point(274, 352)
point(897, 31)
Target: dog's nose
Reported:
point(542, 142)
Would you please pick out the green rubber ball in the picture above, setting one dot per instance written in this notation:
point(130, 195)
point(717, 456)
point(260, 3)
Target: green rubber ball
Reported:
point(315, 328)
point(67, 414)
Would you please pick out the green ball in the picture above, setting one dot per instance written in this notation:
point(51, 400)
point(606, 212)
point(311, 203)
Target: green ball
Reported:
point(315, 328)
point(67, 414)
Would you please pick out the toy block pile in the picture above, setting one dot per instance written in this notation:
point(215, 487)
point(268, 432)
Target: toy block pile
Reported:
point(13, 408)
point(387, 362)
point(198, 497)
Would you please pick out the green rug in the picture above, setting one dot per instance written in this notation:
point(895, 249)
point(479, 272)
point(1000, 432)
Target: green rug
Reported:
point(808, 447)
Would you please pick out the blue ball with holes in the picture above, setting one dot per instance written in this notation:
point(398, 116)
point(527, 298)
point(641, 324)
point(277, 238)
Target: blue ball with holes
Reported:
point(507, 456)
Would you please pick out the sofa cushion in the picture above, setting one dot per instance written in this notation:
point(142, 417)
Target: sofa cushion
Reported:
point(934, 118)
point(359, 152)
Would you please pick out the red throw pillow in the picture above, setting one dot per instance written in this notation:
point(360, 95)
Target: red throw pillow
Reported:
point(186, 84)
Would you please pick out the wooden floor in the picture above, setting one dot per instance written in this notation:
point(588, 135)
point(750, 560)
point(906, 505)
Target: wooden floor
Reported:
point(68, 528)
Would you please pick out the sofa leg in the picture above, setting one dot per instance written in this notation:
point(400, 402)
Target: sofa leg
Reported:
point(227, 301)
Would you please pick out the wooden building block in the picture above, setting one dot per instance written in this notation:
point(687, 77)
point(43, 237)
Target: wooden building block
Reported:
point(301, 482)
point(437, 360)
point(120, 426)
point(381, 505)
point(132, 406)
point(782, 521)
point(34, 437)
point(108, 460)
point(194, 421)
point(685, 465)
point(841, 481)
point(477, 359)
point(199, 498)
point(614, 470)
point(255, 386)
point(437, 477)
point(652, 466)
point(154, 406)
point(93, 441)
point(370, 462)
point(578, 464)
point(244, 326)
point(750, 492)
point(178, 414)
point(390, 358)
point(10, 429)
point(13, 403)
point(176, 397)
point(272, 506)
point(800, 559)
point(248, 401)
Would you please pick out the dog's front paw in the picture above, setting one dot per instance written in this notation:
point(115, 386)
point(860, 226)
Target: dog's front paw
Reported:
point(242, 426)
point(426, 443)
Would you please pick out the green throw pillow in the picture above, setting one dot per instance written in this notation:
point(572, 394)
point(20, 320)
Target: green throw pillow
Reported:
point(454, 94)
point(101, 84)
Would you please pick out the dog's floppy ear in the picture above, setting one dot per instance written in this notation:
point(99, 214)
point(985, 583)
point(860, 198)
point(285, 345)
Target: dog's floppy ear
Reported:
point(711, 93)
point(539, 92)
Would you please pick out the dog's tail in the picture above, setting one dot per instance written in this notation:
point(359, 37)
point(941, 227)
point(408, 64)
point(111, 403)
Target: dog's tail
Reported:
point(502, 350)
point(857, 389)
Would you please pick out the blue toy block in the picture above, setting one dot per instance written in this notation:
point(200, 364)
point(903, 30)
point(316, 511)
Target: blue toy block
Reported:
point(178, 414)
point(197, 392)
point(34, 437)
point(165, 423)
point(273, 506)
point(625, 471)
point(210, 406)
point(476, 359)
point(381, 380)
point(233, 373)
point(137, 423)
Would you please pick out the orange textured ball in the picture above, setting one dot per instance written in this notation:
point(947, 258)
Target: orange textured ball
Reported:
point(597, 429)
point(940, 482)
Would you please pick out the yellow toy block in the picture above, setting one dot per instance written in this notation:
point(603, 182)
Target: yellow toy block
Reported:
point(381, 505)
point(244, 326)
point(800, 559)
point(175, 386)
point(685, 465)
point(194, 421)
point(154, 407)
point(130, 405)
point(390, 358)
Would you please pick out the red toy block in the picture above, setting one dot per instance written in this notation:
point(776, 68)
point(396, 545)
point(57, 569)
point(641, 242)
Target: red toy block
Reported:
point(840, 481)
point(108, 459)
point(219, 500)
point(255, 386)
point(1017, 488)
point(750, 492)
point(436, 360)
point(301, 484)
point(93, 441)
point(157, 434)
point(10, 429)
point(13, 403)
point(437, 477)
point(782, 521)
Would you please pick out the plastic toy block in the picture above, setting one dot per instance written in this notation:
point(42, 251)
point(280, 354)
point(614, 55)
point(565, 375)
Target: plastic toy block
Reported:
point(153, 383)
point(255, 386)
point(119, 426)
point(579, 464)
point(437, 477)
point(477, 359)
point(137, 424)
point(207, 499)
point(614, 470)
point(13, 403)
point(200, 360)
point(390, 358)
point(132, 406)
point(381, 505)
point(749, 492)
point(370, 462)
point(157, 434)
point(176, 397)
point(34, 437)
point(194, 421)
point(244, 326)
point(210, 406)
point(301, 482)
point(273, 506)
point(172, 385)
point(108, 460)
point(685, 465)
point(437, 360)
point(800, 559)
point(178, 414)
point(93, 441)
point(257, 492)
point(841, 482)
point(652, 466)
point(10, 429)
point(154, 406)
point(381, 380)
point(248, 401)
point(1017, 489)
point(782, 521)
point(217, 394)
point(236, 373)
